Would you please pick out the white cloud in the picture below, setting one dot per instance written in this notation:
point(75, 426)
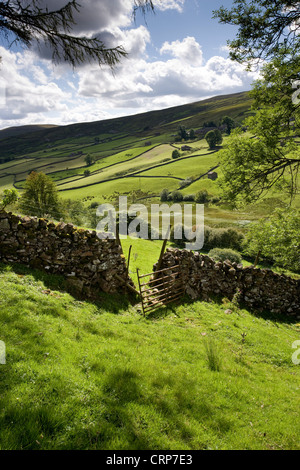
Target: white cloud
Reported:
point(169, 4)
point(27, 91)
point(39, 92)
point(188, 50)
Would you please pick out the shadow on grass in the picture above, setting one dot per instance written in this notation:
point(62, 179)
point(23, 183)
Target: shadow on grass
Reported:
point(134, 417)
point(166, 310)
point(112, 303)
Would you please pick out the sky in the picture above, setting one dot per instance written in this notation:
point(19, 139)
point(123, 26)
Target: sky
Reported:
point(176, 56)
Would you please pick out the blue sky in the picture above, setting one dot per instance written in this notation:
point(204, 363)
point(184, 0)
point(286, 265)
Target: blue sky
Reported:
point(176, 56)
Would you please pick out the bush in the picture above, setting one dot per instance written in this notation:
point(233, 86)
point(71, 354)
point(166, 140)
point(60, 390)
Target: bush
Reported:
point(176, 196)
point(219, 254)
point(164, 195)
point(175, 154)
point(202, 197)
point(215, 200)
point(186, 182)
point(189, 198)
point(214, 138)
point(223, 238)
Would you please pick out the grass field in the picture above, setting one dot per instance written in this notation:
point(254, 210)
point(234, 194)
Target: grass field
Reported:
point(132, 156)
point(98, 375)
point(81, 375)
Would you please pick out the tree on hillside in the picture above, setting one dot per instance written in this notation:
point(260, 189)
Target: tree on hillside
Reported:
point(265, 27)
point(175, 154)
point(210, 124)
point(202, 197)
point(192, 134)
point(183, 134)
point(89, 159)
point(229, 123)
point(277, 239)
point(40, 196)
point(214, 138)
point(270, 156)
point(29, 22)
point(8, 197)
point(164, 195)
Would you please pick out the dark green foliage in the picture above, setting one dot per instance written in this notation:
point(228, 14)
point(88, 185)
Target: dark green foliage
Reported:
point(223, 238)
point(229, 123)
point(202, 197)
point(89, 160)
point(210, 124)
point(182, 133)
point(30, 22)
point(176, 196)
point(214, 138)
point(192, 134)
point(175, 154)
point(40, 196)
point(164, 195)
point(224, 254)
point(189, 198)
point(264, 28)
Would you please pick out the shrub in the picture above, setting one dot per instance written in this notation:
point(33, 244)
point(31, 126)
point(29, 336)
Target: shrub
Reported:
point(164, 195)
point(189, 197)
point(219, 254)
point(215, 200)
point(202, 197)
point(94, 205)
point(223, 238)
point(185, 182)
point(214, 138)
point(176, 196)
point(175, 154)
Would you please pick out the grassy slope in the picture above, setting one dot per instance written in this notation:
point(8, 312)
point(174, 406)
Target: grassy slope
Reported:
point(83, 375)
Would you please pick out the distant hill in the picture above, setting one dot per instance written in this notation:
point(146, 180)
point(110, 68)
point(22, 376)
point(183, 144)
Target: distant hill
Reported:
point(19, 141)
point(21, 130)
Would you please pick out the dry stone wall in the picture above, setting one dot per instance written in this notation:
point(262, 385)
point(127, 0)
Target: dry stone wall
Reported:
point(88, 262)
point(259, 289)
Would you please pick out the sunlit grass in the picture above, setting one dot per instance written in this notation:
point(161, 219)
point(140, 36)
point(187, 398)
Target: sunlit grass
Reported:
point(80, 375)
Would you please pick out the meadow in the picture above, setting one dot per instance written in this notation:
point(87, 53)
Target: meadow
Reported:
point(98, 374)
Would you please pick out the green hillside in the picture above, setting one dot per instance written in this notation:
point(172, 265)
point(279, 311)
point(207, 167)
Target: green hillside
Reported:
point(131, 155)
point(82, 375)
point(60, 151)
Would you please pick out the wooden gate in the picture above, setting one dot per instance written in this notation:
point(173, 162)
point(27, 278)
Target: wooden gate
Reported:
point(162, 287)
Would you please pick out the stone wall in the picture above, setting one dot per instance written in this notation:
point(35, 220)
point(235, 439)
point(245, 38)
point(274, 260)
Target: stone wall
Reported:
point(88, 262)
point(260, 289)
